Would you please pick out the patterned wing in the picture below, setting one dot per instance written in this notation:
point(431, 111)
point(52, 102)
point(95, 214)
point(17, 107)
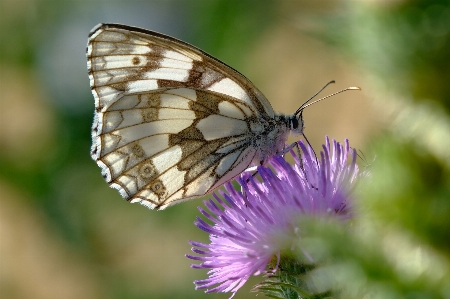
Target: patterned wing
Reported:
point(171, 122)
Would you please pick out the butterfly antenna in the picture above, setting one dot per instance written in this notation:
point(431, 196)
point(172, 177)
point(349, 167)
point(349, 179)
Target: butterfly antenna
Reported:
point(328, 96)
point(303, 105)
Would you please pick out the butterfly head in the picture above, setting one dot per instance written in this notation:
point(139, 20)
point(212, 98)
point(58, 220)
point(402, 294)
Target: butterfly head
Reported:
point(296, 123)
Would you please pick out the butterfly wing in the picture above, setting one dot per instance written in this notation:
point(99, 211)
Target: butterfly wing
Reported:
point(171, 122)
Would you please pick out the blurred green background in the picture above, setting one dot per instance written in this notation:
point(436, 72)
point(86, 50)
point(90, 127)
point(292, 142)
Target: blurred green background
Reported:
point(65, 234)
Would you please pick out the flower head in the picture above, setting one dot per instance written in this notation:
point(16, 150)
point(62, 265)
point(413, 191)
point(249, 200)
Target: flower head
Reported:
point(251, 227)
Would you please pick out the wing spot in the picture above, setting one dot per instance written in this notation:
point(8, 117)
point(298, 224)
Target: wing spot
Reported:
point(205, 104)
point(137, 150)
point(159, 189)
point(150, 100)
point(122, 87)
point(94, 151)
point(136, 60)
point(190, 146)
point(210, 101)
point(191, 133)
point(149, 114)
point(162, 83)
point(147, 171)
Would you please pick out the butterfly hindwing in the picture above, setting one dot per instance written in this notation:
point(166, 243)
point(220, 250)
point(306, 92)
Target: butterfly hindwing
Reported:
point(173, 147)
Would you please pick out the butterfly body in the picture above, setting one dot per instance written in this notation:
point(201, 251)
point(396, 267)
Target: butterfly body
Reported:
point(172, 122)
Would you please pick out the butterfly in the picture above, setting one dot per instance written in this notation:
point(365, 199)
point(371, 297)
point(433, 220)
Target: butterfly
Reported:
point(172, 122)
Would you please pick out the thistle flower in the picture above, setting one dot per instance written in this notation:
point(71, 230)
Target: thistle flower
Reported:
point(251, 227)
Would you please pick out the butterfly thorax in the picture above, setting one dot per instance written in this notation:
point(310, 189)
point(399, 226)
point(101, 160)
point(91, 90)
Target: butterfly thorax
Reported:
point(269, 136)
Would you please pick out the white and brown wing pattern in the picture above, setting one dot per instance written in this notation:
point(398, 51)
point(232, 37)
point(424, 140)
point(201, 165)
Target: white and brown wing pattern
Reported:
point(171, 122)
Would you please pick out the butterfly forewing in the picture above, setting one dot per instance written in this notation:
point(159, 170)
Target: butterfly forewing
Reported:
point(171, 122)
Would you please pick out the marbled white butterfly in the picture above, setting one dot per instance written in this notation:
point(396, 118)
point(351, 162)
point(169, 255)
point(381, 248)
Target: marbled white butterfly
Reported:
point(172, 122)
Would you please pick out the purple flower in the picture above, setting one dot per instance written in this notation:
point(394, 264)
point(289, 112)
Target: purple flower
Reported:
point(251, 227)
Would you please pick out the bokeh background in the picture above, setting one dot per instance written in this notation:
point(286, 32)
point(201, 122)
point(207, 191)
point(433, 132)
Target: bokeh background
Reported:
point(65, 234)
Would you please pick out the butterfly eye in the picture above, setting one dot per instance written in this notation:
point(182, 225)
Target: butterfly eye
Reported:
point(294, 123)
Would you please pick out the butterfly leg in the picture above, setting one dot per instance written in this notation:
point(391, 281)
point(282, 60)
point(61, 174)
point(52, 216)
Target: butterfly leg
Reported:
point(254, 172)
point(289, 147)
point(299, 153)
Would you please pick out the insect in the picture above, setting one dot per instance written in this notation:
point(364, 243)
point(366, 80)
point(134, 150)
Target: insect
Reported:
point(172, 122)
